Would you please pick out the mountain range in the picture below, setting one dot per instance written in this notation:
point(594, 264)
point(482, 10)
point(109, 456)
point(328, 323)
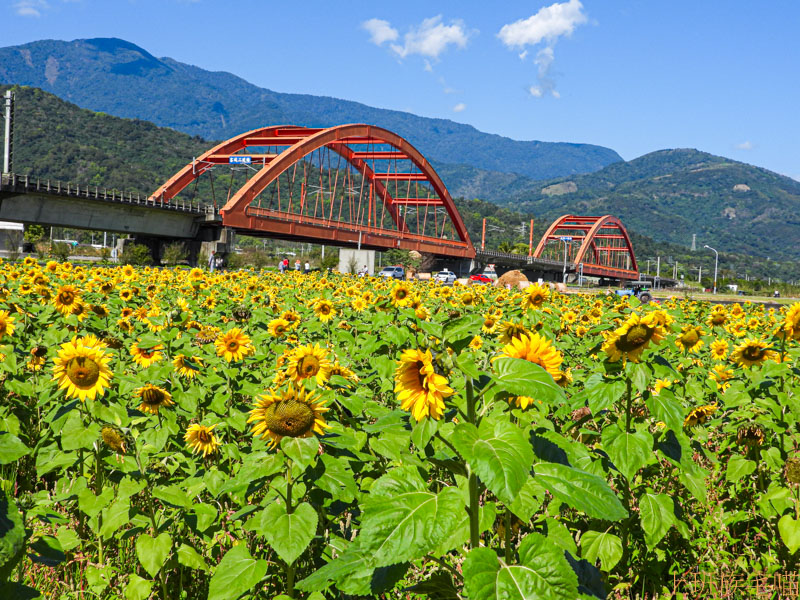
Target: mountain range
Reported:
point(120, 78)
point(667, 195)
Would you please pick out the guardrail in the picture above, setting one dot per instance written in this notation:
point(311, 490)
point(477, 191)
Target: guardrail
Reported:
point(11, 182)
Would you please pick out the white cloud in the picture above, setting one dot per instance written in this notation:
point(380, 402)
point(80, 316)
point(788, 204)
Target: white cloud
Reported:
point(431, 38)
point(30, 8)
point(459, 107)
point(380, 31)
point(746, 145)
point(546, 26)
point(550, 23)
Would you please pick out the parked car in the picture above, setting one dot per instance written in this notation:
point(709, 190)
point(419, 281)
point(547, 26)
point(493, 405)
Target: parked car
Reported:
point(446, 277)
point(480, 278)
point(640, 289)
point(396, 272)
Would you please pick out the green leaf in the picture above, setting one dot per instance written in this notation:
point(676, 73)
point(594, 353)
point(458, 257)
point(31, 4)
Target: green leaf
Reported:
point(75, 434)
point(172, 494)
point(628, 451)
point(523, 378)
point(789, 528)
point(559, 534)
point(657, 514)
point(152, 552)
point(11, 448)
point(528, 500)
point(498, 452)
point(337, 478)
point(114, 517)
point(666, 408)
point(302, 451)
point(47, 550)
point(542, 573)
point(51, 458)
point(188, 557)
point(238, 572)
point(409, 523)
point(605, 546)
point(138, 588)
point(601, 393)
point(288, 534)
point(580, 490)
point(92, 505)
point(738, 467)
point(462, 327)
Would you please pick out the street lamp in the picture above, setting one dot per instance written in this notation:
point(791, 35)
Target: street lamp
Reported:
point(716, 263)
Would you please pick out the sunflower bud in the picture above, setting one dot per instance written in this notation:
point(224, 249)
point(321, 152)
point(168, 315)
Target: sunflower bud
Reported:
point(113, 439)
point(241, 313)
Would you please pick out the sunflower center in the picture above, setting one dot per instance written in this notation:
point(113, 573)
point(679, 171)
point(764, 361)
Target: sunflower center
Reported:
point(637, 336)
point(83, 371)
point(289, 418)
point(203, 436)
point(420, 370)
point(690, 338)
point(324, 309)
point(754, 353)
point(152, 396)
point(146, 353)
point(66, 297)
point(233, 345)
point(308, 366)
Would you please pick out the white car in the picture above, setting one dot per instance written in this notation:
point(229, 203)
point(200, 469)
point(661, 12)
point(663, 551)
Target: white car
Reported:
point(446, 277)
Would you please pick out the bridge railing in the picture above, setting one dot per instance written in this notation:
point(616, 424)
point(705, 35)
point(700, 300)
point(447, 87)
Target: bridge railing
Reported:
point(12, 182)
point(522, 259)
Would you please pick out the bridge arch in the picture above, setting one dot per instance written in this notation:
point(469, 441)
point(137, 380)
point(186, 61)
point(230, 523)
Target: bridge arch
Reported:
point(380, 193)
point(601, 244)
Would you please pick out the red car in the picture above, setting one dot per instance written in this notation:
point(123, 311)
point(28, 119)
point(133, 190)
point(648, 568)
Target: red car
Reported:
point(480, 278)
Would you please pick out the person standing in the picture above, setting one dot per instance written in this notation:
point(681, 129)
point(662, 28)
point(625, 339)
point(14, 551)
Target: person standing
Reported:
point(308, 267)
point(211, 262)
point(280, 266)
point(297, 264)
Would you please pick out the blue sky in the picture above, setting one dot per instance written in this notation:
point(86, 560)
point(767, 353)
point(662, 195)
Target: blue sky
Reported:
point(636, 76)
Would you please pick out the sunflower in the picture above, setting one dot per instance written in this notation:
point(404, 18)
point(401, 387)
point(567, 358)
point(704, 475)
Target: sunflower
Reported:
point(309, 361)
point(201, 439)
point(690, 338)
point(630, 340)
point(293, 412)
point(752, 352)
point(145, 357)
point(324, 310)
point(564, 378)
point(721, 374)
point(699, 415)
point(536, 349)
point(476, 343)
point(750, 436)
point(358, 304)
point(279, 327)
point(791, 323)
point(523, 402)
point(489, 323)
point(535, 296)
point(419, 389)
point(660, 385)
point(291, 316)
point(719, 349)
point(234, 345)
point(6, 323)
point(128, 271)
point(718, 317)
point(153, 398)
point(401, 295)
point(66, 298)
point(82, 370)
point(188, 366)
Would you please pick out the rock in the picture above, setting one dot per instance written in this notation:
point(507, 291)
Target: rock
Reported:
point(741, 187)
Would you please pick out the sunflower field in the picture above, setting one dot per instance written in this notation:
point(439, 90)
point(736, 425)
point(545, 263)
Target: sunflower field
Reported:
point(177, 434)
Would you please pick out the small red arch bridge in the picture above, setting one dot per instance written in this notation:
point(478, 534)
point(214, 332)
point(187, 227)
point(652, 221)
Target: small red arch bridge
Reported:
point(364, 186)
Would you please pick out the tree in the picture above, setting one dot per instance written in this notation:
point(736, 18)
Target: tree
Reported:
point(136, 254)
point(174, 254)
point(34, 233)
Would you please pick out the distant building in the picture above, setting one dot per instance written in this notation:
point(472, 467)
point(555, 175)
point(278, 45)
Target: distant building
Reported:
point(10, 233)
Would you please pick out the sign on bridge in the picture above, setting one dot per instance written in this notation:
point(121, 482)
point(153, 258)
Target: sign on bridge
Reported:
point(240, 160)
point(565, 238)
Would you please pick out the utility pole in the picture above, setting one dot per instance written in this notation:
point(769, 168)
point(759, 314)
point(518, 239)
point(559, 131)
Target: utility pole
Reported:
point(8, 143)
point(700, 274)
point(694, 242)
point(658, 272)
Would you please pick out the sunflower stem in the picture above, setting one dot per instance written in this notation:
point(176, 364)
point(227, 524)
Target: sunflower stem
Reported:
point(507, 541)
point(628, 404)
point(474, 500)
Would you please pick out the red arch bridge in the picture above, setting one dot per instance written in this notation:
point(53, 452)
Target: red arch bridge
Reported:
point(350, 186)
